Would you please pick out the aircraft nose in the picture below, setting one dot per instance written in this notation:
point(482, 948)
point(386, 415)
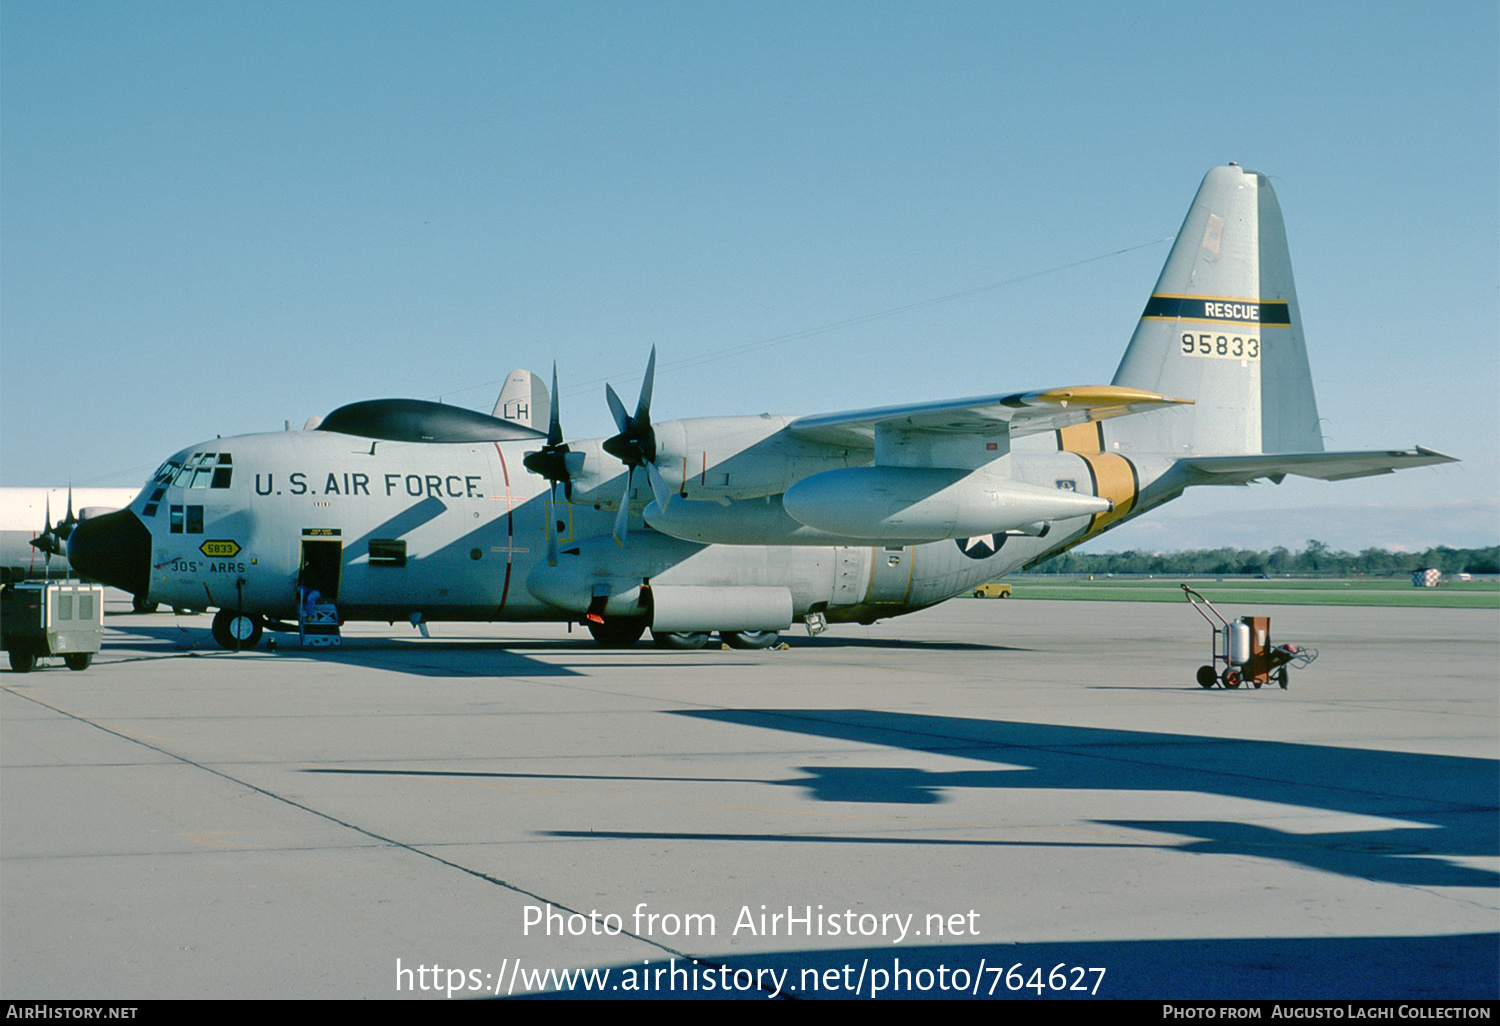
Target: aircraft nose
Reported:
point(114, 548)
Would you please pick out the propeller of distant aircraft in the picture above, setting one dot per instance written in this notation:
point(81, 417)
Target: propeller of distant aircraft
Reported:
point(53, 540)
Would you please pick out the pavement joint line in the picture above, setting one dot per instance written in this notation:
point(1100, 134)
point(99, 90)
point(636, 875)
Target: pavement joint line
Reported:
point(386, 841)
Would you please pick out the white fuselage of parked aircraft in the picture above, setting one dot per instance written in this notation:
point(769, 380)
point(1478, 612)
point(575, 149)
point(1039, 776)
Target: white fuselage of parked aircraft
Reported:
point(404, 510)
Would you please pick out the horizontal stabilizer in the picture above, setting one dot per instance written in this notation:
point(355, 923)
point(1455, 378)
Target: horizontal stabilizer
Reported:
point(1325, 466)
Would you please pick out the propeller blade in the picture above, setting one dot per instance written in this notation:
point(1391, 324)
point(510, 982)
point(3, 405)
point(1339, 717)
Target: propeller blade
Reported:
point(643, 407)
point(47, 540)
point(660, 490)
point(622, 519)
point(554, 427)
point(622, 419)
point(69, 522)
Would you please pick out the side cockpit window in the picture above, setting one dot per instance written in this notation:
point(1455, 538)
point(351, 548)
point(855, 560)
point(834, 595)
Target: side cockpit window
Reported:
point(150, 507)
point(186, 519)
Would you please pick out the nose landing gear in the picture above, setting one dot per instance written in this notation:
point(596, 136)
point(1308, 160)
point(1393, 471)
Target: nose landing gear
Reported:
point(237, 631)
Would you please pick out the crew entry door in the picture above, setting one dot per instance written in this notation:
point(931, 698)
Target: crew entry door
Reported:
point(322, 559)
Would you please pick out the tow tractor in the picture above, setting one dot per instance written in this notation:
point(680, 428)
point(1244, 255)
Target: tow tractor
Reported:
point(51, 618)
point(1244, 649)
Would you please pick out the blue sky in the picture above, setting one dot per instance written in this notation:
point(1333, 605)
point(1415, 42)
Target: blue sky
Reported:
point(215, 218)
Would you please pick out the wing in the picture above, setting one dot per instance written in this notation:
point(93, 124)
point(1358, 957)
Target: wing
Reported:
point(1022, 413)
point(1325, 466)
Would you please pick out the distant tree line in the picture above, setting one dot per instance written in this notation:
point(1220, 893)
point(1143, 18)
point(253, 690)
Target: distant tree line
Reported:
point(1316, 559)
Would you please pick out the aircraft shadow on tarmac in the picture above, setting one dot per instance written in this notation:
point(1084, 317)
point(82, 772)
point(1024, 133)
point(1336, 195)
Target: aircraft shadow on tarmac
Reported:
point(430, 657)
point(420, 657)
point(838, 641)
point(1446, 804)
point(1451, 966)
point(1453, 798)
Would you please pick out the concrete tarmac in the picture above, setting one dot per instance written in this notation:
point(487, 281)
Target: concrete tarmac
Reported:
point(991, 798)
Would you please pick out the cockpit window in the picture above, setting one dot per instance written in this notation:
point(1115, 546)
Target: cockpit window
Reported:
point(201, 470)
point(224, 471)
point(149, 510)
point(185, 475)
point(190, 523)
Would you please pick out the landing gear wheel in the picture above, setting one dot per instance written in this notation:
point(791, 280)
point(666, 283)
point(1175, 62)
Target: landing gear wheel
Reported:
point(78, 660)
point(237, 631)
point(1207, 678)
point(22, 661)
point(140, 605)
point(682, 640)
point(618, 633)
point(1230, 678)
point(749, 639)
point(1281, 677)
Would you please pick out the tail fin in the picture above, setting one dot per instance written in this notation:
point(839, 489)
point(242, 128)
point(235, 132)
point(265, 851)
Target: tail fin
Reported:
point(1223, 328)
point(524, 400)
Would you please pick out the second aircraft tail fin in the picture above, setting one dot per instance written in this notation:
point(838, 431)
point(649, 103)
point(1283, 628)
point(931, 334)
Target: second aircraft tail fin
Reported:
point(524, 400)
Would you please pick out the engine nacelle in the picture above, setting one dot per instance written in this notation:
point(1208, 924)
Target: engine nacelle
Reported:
point(928, 503)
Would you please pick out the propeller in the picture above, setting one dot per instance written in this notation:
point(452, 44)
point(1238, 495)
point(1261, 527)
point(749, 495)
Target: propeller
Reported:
point(558, 464)
point(54, 537)
point(635, 445)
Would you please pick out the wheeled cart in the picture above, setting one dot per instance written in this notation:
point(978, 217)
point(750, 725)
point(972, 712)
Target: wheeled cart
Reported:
point(1243, 648)
point(51, 618)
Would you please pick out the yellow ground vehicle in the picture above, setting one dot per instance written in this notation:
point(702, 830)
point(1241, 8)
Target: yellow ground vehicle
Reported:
point(992, 590)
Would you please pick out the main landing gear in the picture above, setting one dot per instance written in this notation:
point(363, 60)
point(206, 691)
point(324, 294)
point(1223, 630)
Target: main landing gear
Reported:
point(620, 632)
point(734, 639)
point(623, 633)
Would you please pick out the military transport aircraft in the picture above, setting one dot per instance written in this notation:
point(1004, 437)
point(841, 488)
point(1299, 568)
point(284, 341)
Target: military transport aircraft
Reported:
point(404, 509)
